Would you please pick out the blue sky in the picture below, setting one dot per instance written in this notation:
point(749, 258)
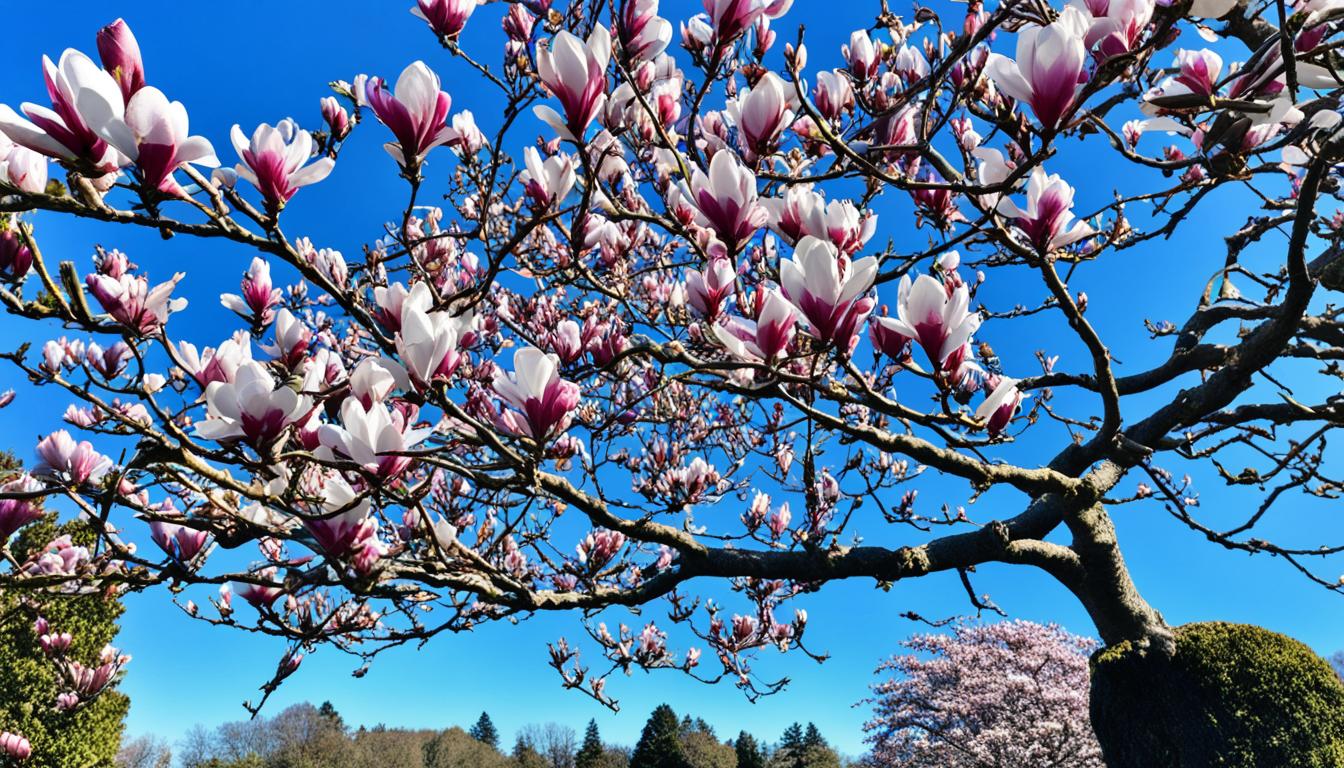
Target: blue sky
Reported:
point(250, 61)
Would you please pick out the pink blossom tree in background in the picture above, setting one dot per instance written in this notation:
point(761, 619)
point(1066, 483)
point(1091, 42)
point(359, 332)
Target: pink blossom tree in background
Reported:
point(654, 335)
point(1010, 693)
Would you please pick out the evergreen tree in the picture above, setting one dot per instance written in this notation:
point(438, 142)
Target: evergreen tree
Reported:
point(484, 731)
point(590, 754)
point(749, 753)
point(91, 735)
point(813, 738)
point(525, 756)
point(792, 738)
point(660, 744)
point(328, 712)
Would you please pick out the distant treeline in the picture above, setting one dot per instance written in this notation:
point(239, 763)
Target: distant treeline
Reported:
point(307, 736)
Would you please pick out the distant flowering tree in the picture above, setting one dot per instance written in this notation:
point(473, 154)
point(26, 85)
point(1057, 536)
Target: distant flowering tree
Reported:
point(656, 333)
point(984, 695)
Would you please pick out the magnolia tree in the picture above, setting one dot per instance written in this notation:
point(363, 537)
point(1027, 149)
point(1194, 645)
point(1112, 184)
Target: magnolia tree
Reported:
point(657, 336)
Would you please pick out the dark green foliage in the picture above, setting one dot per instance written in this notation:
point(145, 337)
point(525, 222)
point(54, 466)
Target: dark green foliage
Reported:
point(590, 753)
point(812, 737)
point(749, 754)
point(484, 731)
point(792, 738)
point(1232, 696)
point(660, 743)
point(89, 737)
point(524, 756)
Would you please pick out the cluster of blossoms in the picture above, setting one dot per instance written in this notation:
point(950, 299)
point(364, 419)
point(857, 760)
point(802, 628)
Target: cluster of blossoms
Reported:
point(677, 296)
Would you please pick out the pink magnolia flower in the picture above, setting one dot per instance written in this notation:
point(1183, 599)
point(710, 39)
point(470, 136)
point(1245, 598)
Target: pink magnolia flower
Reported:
point(258, 594)
point(547, 183)
point(374, 437)
point(1119, 30)
point(445, 17)
point(215, 364)
point(258, 295)
point(1049, 66)
point(16, 258)
point(23, 169)
point(828, 289)
point(131, 302)
point(599, 547)
point(1047, 222)
point(415, 112)
point(178, 541)
point(274, 161)
point(65, 131)
point(18, 510)
point(544, 401)
point(431, 345)
point(77, 463)
point(767, 337)
point(799, 213)
point(1000, 405)
point(1199, 70)
point(833, 94)
point(731, 18)
point(252, 407)
point(15, 746)
point(862, 55)
point(153, 133)
point(939, 320)
point(761, 114)
point(724, 200)
point(292, 339)
point(373, 380)
point(341, 523)
point(120, 53)
point(336, 118)
point(707, 290)
point(642, 33)
point(574, 72)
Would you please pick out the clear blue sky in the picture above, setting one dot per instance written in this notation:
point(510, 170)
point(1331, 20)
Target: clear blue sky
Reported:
point(248, 61)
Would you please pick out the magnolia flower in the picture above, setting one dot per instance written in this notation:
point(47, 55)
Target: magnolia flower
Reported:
point(23, 169)
point(724, 200)
point(374, 379)
point(1048, 220)
point(761, 114)
point(430, 343)
point(1000, 406)
point(258, 294)
point(15, 745)
point(765, 339)
point(574, 72)
point(131, 302)
point(336, 118)
point(706, 291)
point(76, 463)
point(395, 300)
point(415, 112)
point(64, 131)
point(731, 18)
point(799, 213)
point(153, 132)
point(1198, 74)
point(1120, 29)
point(445, 17)
point(833, 94)
point(642, 33)
point(939, 320)
point(120, 53)
point(215, 364)
point(862, 55)
point(257, 595)
point(16, 258)
point(1049, 66)
point(17, 508)
point(543, 400)
point(252, 407)
point(341, 522)
point(274, 158)
point(547, 183)
point(292, 338)
point(827, 289)
point(374, 437)
point(177, 541)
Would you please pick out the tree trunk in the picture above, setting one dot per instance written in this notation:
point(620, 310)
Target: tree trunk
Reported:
point(1202, 694)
